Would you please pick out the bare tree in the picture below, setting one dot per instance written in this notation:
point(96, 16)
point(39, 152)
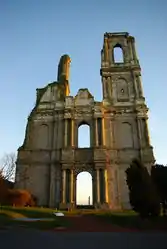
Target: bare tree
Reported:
point(8, 166)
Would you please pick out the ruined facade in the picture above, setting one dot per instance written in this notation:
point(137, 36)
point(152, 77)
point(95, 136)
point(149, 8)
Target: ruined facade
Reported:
point(49, 159)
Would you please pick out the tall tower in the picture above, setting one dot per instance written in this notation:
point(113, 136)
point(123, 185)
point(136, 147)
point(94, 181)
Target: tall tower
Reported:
point(125, 108)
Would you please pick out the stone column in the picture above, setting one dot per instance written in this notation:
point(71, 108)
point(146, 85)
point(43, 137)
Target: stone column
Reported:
point(75, 188)
point(52, 186)
point(112, 135)
point(97, 186)
point(104, 80)
point(96, 133)
point(72, 186)
point(55, 134)
point(148, 133)
point(134, 50)
point(57, 189)
point(145, 139)
point(106, 185)
point(64, 186)
point(141, 145)
point(139, 131)
point(103, 132)
point(131, 50)
point(60, 141)
point(106, 55)
point(139, 85)
point(65, 133)
point(109, 87)
point(136, 86)
point(72, 132)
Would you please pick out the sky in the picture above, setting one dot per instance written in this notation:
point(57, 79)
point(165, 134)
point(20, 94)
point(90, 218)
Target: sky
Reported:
point(35, 33)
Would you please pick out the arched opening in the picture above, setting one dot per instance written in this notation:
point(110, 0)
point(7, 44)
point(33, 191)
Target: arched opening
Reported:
point(83, 136)
point(84, 189)
point(118, 54)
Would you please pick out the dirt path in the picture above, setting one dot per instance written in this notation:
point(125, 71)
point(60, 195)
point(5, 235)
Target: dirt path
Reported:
point(90, 224)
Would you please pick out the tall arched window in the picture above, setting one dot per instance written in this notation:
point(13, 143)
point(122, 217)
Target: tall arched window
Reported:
point(118, 54)
point(83, 136)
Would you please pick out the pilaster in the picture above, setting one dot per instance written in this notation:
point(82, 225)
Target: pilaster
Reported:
point(72, 187)
point(103, 132)
point(96, 133)
point(106, 185)
point(52, 187)
point(65, 134)
point(97, 186)
point(72, 132)
point(64, 186)
point(131, 51)
point(134, 50)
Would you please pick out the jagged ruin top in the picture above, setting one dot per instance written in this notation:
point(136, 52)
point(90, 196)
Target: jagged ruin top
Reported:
point(64, 68)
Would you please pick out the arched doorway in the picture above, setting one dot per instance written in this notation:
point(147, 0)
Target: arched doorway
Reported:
point(84, 189)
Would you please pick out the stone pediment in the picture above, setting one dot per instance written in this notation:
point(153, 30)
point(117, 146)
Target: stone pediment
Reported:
point(84, 97)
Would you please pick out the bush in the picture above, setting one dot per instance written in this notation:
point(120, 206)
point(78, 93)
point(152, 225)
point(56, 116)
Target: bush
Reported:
point(16, 197)
point(159, 176)
point(21, 198)
point(142, 192)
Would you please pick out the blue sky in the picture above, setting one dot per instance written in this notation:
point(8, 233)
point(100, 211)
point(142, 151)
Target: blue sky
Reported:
point(35, 33)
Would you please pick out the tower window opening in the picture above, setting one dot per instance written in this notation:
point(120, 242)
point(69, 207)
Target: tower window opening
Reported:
point(118, 54)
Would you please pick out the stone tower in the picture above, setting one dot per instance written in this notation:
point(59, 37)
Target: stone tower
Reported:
point(49, 160)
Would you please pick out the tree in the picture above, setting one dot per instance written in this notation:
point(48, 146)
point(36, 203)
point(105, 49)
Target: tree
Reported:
point(142, 192)
point(8, 166)
point(3, 189)
point(159, 177)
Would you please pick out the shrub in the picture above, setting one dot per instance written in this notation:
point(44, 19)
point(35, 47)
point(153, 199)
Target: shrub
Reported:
point(159, 176)
point(18, 197)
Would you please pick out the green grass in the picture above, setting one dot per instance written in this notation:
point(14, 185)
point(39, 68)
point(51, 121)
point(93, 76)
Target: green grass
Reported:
point(6, 220)
point(32, 212)
point(126, 219)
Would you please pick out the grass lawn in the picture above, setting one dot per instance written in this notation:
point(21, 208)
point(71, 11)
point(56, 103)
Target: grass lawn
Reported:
point(131, 220)
point(32, 212)
point(125, 219)
point(7, 215)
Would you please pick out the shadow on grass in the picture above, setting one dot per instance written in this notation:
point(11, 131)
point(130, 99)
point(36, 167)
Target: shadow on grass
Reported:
point(132, 220)
point(42, 225)
point(32, 212)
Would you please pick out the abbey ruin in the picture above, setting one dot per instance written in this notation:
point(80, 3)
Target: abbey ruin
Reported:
point(49, 160)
